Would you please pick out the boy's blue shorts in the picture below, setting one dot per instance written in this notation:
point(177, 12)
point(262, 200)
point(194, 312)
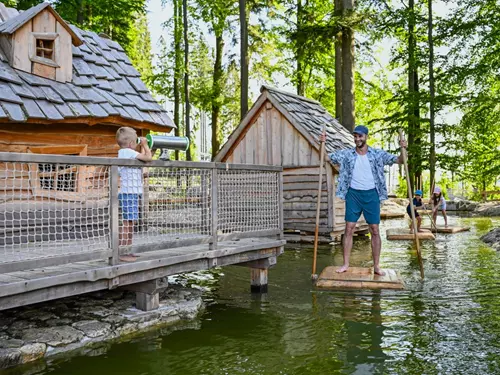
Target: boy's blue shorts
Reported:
point(362, 201)
point(129, 204)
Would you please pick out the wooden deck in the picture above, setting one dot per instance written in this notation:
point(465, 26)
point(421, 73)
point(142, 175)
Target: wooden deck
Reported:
point(48, 283)
point(59, 243)
point(358, 278)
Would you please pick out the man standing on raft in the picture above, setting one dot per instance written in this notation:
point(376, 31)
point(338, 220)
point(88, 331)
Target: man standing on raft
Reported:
point(362, 185)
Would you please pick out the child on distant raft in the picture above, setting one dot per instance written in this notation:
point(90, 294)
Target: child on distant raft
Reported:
point(418, 204)
point(438, 202)
point(130, 186)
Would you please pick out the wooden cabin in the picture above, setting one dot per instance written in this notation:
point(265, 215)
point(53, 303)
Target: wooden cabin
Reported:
point(283, 129)
point(65, 91)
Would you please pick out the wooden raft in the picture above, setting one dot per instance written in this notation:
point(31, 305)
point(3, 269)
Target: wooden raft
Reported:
point(405, 234)
point(359, 278)
point(391, 214)
point(441, 229)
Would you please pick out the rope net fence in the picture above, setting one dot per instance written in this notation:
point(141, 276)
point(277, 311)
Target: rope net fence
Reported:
point(52, 209)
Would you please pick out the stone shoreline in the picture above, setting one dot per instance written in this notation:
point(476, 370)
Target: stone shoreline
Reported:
point(49, 329)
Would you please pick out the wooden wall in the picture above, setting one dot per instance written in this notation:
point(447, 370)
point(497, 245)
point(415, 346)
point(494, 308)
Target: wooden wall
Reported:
point(100, 139)
point(271, 139)
point(17, 181)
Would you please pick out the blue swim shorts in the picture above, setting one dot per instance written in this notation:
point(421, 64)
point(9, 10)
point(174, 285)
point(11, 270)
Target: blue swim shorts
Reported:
point(129, 205)
point(362, 201)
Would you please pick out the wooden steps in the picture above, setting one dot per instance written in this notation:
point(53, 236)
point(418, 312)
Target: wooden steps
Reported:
point(440, 229)
point(359, 278)
point(405, 234)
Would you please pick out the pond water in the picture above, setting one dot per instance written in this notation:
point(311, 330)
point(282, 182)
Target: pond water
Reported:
point(448, 324)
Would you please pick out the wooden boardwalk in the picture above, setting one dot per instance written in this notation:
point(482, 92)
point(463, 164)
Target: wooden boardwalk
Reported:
point(56, 244)
point(47, 283)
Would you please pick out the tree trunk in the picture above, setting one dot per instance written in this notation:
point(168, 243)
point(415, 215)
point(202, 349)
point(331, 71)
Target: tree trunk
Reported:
point(412, 83)
point(432, 94)
point(243, 59)
point(177, 68)
point(348, 116)
point(338, 65)
point(299, 51)
point(79, 12)
point(187, 111)
point(216, 93)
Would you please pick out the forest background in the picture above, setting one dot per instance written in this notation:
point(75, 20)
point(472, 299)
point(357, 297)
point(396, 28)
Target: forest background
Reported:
point(429, 67)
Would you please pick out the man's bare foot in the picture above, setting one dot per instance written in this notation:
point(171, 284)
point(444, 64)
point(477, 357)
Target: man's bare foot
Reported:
point(128, 258)
point(342, 269)
point(379, 272)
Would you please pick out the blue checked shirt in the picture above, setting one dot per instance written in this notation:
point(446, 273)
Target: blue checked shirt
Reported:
point(377, 158)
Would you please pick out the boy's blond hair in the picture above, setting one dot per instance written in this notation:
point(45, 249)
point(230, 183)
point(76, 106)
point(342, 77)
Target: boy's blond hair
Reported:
point(125, 135)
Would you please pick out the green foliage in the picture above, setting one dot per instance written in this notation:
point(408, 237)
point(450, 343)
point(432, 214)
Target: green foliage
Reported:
point(402, 189)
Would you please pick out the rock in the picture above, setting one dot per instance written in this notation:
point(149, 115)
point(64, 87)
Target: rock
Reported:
point(53, 336)
point(58, 322)
point(488, 209)
point(115, 319)
point(5, 321)
point(10, 357)
point(43, 316)
point(32, 352)
point(98, 311)
point(492, 238)
point(19, 326)
point(93, 328)
point(11, 343)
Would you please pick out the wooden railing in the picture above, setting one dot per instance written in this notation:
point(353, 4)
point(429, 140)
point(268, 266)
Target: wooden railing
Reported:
point(57, 209)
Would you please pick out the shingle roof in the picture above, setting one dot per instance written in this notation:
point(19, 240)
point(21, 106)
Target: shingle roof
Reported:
point(104, 84)
point(311, 115)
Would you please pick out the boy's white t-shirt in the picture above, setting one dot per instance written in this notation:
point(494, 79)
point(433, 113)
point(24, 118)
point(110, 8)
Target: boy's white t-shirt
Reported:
point(130, 178)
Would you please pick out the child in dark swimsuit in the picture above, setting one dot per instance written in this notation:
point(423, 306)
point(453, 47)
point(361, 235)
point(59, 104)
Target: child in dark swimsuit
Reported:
point(418, 204)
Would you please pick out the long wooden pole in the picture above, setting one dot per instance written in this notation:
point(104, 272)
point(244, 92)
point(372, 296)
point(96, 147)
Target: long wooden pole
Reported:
point(412, 208)
point(314, 276)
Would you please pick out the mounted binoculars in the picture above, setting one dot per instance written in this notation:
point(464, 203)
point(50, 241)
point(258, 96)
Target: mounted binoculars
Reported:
point(165, 143)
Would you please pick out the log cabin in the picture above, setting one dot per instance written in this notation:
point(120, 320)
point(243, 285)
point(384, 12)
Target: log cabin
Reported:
point(65, 91)
point(283, 129)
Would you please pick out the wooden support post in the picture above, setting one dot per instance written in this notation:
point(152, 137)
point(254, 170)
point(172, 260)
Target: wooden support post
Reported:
point(214, 203)
point(280, 204)
point(114, 233)
point(259, 280)
point(147, 294)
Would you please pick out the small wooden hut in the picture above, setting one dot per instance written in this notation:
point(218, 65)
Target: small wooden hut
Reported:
point(283, 129)
point(65, 91)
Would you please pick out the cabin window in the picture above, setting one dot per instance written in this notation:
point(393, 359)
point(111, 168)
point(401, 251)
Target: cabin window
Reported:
point(58, 180)
point(45, 49)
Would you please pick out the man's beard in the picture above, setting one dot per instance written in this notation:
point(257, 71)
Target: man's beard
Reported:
point(362, 144)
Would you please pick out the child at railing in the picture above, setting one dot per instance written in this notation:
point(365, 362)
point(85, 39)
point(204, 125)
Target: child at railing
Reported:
point(131, 187)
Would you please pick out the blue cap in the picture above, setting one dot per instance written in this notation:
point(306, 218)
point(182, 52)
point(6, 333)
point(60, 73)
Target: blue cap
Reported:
point(361, 129)
point(418, 192)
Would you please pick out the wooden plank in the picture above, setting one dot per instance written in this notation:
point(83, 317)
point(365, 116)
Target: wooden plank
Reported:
point(303, 178)
point(275, 127)
point(304, 151)
point(262, 141)
point(44, 70)
point(21, 41)
point(304, 186)
point(249, 144)
point(303, 206)
point(268, 135)
point(405, 234)
point(64, 55)
point(290, 215)
point(301, 171)
point(44, 22)
point(288, 142)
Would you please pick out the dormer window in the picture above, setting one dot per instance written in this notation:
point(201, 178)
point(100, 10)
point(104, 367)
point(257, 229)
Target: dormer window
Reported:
point(43, 49)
